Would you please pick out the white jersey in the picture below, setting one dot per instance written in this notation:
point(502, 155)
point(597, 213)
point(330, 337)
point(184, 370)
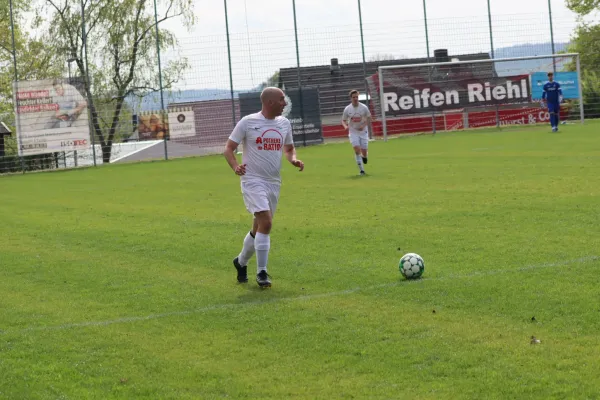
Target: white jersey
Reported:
point(355, 117)
point(263, 140)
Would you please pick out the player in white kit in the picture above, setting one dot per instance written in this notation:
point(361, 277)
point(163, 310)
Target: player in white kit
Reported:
point(356, 119)
point(265, 136)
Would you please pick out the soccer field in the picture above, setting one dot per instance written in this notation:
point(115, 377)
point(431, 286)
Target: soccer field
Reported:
point(117, 282)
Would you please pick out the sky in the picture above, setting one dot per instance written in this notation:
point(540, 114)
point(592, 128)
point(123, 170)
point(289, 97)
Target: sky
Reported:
point(262, 33)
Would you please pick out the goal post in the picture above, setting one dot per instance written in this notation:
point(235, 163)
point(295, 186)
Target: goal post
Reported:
point(462, 94)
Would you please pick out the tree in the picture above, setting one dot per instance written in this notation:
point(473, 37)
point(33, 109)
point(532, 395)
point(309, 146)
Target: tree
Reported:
point(583, 7)
point(35, 60)
point(122, 55)
point(586, 42)
point(272, 81)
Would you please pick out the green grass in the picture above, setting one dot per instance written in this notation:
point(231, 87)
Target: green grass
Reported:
point(117, 283)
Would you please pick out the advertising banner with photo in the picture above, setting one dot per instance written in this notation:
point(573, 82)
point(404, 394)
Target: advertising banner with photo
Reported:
point(569, 83)
point(304, 113)
point(403, 97)
point(151, 125)
point(177, 123)
point(51, 116)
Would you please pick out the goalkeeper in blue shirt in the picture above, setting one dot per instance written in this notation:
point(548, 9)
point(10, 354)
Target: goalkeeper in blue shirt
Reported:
point(553, 96)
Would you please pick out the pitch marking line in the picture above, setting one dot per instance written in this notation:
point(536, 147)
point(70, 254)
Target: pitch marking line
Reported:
point(581, 260)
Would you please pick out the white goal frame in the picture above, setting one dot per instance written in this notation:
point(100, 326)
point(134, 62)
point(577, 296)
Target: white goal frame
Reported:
point(488, 61)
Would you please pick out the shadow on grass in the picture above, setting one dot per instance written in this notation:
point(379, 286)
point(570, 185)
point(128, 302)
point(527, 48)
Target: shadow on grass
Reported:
point(353, 177)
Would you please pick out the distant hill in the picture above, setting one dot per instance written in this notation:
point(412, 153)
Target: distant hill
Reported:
point(524, 50)
point(152, 101)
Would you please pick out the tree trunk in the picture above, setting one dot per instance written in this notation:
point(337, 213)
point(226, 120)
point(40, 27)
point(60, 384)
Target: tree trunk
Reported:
point(106, 152)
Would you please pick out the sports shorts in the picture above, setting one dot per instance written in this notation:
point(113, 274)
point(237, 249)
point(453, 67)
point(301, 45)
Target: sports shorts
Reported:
point(361, 141)
point(260, 196)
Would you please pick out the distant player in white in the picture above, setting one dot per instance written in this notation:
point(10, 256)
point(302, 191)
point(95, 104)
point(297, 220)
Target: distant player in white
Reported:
point(356, 119)
point(265, 136)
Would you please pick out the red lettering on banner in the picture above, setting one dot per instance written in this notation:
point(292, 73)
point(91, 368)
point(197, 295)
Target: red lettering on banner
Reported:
point(28, 109)
point(33, 94)
point(49, 107)
point(37, 108)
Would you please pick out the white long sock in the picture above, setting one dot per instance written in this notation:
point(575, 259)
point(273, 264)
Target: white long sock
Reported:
point(262, 244)
point(359, 162)
point(247, 250)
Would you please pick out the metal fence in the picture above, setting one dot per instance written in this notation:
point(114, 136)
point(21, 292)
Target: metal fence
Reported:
point(315, 66)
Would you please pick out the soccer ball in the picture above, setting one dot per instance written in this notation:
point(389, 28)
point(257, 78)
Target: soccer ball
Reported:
point(412, 266)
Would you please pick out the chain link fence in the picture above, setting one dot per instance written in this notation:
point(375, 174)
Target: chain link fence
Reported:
point(317, 67)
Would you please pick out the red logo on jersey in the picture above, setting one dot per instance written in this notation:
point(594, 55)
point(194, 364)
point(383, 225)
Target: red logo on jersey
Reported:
point(269, 142)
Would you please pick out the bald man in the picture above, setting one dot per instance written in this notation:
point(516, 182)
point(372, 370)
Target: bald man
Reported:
point(265, 136)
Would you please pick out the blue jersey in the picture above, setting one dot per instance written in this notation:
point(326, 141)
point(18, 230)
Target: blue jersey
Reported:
point(552, 92)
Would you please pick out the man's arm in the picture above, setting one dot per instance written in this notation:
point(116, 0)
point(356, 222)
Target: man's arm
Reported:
point(80, 107)
point(560, 93)
point(344, 119)
point(363, 126)
point(229, 154)
point(79, 100)
point(290, 154)
point(544, 92)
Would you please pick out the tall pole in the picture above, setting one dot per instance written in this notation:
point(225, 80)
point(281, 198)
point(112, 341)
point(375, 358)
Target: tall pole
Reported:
point(491, 32)
point(492, 53)
point(75, 161)
point(552, 34)
point(299, 79)
point(433, 127)
point(16, 85)
point(160, 82)
point(88, 84)
point(362, 43)
point(230, 70)
point(581, 109)
point(426, 28)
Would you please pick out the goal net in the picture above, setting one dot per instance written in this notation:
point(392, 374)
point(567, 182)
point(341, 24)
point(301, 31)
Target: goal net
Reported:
point(454, 95)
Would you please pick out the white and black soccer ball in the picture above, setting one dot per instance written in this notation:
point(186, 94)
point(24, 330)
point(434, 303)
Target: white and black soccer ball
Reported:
point(412, 266)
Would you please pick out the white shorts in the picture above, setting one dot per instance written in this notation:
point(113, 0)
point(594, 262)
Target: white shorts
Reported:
point(361, 141)
point(260, 196)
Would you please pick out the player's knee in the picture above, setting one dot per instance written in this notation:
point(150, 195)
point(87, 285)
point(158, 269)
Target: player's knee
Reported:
point(265, 227)
point(264, 221)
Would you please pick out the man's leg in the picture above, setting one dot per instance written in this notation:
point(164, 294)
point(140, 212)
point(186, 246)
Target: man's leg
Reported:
point(359, 159)
point(355, 141)
point(364, 145)
point(551, 111)
point(262, 244)
point(241, 261)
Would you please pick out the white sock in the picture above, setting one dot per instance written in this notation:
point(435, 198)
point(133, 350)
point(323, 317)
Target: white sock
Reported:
point(247, 250)
point(262, 244)
point(359, 162)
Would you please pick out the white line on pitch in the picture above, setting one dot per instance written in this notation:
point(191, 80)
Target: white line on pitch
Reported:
point(296, 298)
